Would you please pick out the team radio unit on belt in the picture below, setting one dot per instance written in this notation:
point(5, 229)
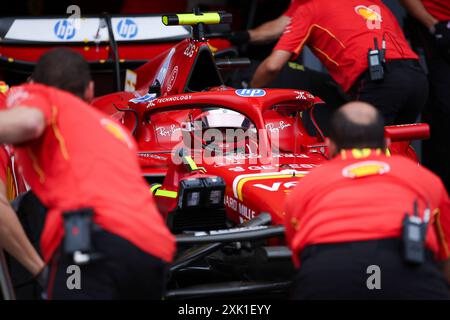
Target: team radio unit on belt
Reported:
point(377, 59)
point(78, 228)
point(414, 235)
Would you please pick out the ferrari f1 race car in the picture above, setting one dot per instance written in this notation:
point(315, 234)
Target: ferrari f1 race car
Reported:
point(220, 162)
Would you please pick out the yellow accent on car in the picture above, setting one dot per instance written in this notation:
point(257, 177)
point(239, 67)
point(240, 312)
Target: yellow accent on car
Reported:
point(241, 183)
point(155, 187)
point(191, 163)
point(3, 87)
point(212, 48)
point(192, 19)
point(166, 193)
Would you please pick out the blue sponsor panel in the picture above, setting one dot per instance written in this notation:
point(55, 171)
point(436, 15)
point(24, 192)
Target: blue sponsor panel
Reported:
point(127, 28)
point(147, 98)
point(64, 30)
point(251, 93)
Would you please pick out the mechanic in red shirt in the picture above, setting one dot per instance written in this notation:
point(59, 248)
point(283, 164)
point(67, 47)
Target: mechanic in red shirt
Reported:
point(429, 30)
point(268, 31)
point(340, 33)
point(344, 219)
point(12, 235)
point(79, 162)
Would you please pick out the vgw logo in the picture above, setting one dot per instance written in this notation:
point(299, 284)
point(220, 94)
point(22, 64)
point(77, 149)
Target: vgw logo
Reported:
point(64, 29)
point(127, 28)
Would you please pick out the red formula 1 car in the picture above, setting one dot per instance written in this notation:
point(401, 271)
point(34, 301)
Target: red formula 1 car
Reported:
point(220, 162)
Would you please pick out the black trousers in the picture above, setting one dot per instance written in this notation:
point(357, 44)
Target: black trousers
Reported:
point(436, 150)
point(340, 271)
point(124, 272)
point(31, 214)
point(400, 97)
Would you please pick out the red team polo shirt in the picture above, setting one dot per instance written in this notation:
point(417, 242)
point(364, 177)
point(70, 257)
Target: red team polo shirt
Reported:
point(292, 8)
point(85, 159)
point(341, 32)
point(440, 9)
point(365, 198)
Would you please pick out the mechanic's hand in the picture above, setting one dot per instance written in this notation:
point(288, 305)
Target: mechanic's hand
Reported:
point(441, 33)
point(239, 38)
point(42, 277)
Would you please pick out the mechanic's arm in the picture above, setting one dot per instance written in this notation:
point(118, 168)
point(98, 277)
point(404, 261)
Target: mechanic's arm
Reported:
point(265, 33)
point(417, 10)
point(21, 124)
point(269, 31)
point(13, 238)
point(269, 69)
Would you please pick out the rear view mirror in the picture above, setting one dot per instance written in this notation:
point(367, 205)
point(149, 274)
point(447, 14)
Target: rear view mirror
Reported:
point(407, 132)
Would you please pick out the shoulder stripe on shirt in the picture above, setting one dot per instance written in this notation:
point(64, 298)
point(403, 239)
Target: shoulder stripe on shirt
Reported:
point(300, 46)
point(325, 55)
point(58, 135)
point(37, 168)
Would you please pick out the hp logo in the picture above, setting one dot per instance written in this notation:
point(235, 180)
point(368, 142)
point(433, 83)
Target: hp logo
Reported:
point(64, 30)
point(127, 28)
point(251, 93)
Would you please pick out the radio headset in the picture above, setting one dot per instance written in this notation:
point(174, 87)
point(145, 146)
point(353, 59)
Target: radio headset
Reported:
point(377, 59)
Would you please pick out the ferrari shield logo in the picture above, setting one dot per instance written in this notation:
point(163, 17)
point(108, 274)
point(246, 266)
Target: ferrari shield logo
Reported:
point(369, 13)
point(365, 168)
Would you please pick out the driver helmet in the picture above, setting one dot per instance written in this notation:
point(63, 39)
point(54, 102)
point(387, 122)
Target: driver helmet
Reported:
point(221, 129)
